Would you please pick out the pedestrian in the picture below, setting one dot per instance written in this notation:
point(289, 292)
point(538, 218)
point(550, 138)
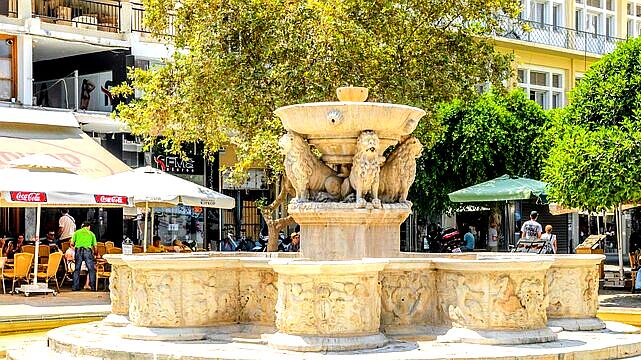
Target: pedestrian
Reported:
point(84, 242)
point(70, 256)
point(294, 246)
point(531, 229)
point(468, 238)
point(66, 226)
point(493, 238)
point(550, 246)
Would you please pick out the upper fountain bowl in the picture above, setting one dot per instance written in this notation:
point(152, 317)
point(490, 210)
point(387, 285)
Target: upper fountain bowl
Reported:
point(333, 127)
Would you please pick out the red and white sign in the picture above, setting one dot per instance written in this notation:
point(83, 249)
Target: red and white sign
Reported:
point(29, 197)
point(111, 199)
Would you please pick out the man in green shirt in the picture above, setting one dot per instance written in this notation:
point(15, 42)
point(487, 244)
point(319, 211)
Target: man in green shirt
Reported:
point(84, 242)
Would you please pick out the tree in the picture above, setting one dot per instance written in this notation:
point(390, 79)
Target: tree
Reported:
point(595, 162)
point(243, 59)
point(493, 135)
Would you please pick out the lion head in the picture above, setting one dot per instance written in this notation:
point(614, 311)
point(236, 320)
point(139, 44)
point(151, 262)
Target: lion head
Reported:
point(368, 144)
point(286, 142)
point(413, 147)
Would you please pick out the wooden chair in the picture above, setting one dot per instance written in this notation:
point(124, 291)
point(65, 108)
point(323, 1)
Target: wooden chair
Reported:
point(103, 271)
point(19, 270)
point(138, 249)
point(101, 249)
point(634, 267)
point(31, 249)
point(52, 269)
point(64, 246)
point(114, 250)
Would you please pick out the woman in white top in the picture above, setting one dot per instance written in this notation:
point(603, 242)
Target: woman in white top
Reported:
point(550, 240)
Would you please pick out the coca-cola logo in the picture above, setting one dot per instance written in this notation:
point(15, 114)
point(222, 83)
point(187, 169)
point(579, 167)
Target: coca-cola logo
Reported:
point(111, 199)
point(28, 196)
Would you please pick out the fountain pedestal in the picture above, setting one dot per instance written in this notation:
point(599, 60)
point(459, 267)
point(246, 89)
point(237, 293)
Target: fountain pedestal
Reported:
point(341, 231)
point(328, 306)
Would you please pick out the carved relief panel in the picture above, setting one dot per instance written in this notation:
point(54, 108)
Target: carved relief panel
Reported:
point(328, 305)
point(119, 289)
point(573, 292)
point(408, 298)
point(258, 295)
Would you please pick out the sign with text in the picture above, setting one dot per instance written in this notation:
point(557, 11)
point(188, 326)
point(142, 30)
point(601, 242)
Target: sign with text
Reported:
point(111, 199)
point(28, 196)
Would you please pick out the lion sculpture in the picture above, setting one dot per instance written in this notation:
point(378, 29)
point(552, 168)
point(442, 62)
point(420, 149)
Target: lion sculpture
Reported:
point(399, 171)
point(306, 172)
point(366, 167)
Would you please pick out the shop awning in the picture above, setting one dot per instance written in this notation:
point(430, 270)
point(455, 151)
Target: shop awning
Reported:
point(60, 139)
point(503, 188)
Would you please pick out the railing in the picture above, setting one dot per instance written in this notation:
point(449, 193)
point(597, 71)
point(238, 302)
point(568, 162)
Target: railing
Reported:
point(558, 36)
point(137, 21)
point(9, 8)
point(84, 14)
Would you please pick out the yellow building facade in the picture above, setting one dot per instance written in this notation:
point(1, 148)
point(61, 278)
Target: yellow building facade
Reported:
point(563, 38)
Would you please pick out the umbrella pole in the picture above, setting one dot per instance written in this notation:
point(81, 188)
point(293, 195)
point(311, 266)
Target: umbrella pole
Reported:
point(144, 241)
point(35, 260)
point(151, 210)
point(619, 220)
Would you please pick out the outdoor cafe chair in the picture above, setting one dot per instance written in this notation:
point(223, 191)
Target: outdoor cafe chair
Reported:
point(31, 249)
point(19, 270)
point(634, 267)
point(65, 246)
point(109, 244)
point(43, 253)
point(52, 269)
point(102, 272)
point(114, 250)
point(101, 249)
point(138, 249)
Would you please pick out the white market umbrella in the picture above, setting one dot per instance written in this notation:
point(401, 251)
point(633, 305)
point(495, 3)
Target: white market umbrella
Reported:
point(38, 181)
point(152, 188)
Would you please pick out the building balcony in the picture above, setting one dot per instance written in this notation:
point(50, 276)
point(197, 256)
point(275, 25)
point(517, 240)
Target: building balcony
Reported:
point(558, 36)
point(102, 15)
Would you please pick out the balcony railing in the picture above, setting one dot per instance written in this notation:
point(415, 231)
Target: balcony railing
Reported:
point(84, 14)
point(9, 8)
point(558, 36)
point(137, 21)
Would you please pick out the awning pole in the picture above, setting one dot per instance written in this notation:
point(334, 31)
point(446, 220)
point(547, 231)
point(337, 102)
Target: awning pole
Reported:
point(620, 240)
point(151, 210)
point(35, 260)
point(144, 241)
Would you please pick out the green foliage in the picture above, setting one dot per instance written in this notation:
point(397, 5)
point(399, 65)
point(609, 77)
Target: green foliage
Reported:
point(596, 159)
point(494, 135)
point(245, 58)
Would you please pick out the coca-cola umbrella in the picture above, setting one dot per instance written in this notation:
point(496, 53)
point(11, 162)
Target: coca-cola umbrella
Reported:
point(153, 188)
point(38, 186)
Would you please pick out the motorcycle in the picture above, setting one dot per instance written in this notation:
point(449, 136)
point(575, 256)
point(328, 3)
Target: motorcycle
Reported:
point(447, 241)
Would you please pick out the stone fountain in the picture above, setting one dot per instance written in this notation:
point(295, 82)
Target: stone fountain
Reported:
point(350, 289)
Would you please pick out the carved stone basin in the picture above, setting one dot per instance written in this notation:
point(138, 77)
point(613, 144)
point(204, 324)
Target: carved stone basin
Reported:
point(332, 127)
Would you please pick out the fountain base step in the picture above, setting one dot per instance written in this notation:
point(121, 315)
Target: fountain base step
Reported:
point(583, 324)
point(498, 337)
point(318, 343)
point(93, 341)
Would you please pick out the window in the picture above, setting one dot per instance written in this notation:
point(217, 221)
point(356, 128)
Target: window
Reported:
point(634, 18)
point(7, 67)
point(544, 86)
point(597, 17)
point(544, 12)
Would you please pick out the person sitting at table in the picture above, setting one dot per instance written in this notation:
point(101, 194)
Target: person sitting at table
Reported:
point(16, 247)
point(156, 246)
point(180, 247)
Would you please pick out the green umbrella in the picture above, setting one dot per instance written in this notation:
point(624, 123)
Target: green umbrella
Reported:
point(503, 188)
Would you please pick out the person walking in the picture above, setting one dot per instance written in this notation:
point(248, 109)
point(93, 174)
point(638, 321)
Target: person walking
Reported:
point(550, 240)
point(493, 238)
point(468, 238)
point(84, 242)
point(66, 227)
point(531, 229)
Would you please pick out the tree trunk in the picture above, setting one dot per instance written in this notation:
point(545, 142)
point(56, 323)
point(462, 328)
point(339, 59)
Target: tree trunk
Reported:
point(274, 226)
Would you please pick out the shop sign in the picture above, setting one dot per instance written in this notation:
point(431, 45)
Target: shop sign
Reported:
point(175, 164)
point(28, 196)
point(111, 199)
